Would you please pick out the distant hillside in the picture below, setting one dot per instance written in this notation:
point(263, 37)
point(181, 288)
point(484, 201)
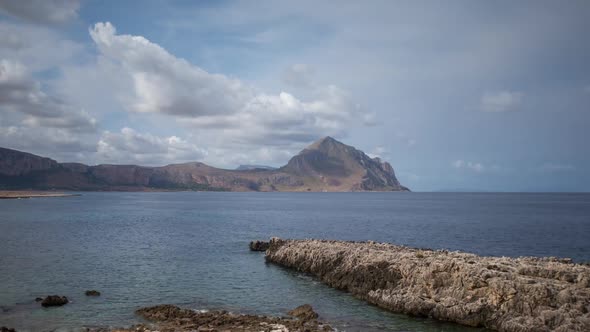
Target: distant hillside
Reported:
point(253, 167)
point(326, 165)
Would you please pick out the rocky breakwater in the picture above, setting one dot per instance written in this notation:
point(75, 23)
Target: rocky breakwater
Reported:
point(505, 294)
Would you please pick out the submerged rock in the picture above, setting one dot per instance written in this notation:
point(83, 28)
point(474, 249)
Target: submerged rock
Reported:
point(173, 318)
point(92, 293)
point(506, 294)
point(259, 246)
point(54, 301)
point(38, 299)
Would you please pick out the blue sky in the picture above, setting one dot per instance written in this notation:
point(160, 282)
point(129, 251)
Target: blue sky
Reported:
point(466, 95)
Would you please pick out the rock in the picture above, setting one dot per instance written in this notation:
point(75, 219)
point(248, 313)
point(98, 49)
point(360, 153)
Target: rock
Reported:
point(507, 294)
point(6, 329)
point(54, 301)
point(259, 246)
point(304, 312)
point(173, 318)
point(92, 293)
point(275, 243)
point(38, 299)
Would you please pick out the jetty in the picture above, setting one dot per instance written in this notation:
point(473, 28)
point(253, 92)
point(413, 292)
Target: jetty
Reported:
point(500, 293)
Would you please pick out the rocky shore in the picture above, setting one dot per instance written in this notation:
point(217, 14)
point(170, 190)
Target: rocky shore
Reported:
point(505, 294)
point(168, 318)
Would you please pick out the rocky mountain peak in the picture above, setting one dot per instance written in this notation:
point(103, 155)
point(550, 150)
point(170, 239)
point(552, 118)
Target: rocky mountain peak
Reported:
point(336, 165)
point(323, 143)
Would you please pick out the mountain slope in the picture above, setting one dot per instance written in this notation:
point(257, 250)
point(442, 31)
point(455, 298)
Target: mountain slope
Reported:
point(326, 165)
point(13, 162)
point(339, 167)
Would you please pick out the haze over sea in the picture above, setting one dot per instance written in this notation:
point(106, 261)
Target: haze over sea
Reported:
point(191, 249)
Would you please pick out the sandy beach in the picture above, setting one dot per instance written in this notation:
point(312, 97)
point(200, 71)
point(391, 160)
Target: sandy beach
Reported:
point(33, 194)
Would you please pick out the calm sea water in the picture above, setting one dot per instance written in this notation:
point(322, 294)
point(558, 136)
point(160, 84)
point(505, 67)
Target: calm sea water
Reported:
point(191, 249)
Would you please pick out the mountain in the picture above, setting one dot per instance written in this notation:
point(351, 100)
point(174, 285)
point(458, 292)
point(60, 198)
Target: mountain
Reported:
point(331, 165)
point(253, 167)
point(326, 165)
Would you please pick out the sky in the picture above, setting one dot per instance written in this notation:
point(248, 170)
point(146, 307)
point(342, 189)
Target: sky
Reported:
point(457, 95)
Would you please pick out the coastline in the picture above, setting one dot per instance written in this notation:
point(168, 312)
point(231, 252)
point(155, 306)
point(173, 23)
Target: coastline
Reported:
point(22, 194)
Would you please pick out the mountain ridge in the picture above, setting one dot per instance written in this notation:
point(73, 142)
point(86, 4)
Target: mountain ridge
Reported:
point(325, 165)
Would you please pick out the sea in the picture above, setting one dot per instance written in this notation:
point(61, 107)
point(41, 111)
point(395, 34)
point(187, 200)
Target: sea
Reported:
point(191, 249)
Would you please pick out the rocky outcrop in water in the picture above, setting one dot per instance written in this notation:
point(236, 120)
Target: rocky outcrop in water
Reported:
point(172, 318)
point(506, 294)
point(54, 301)
point(92, 293)
point(304, 312)
point(259, 245)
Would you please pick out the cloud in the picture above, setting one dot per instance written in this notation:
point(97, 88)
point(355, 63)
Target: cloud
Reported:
point(54, 142)
point(165, 84)
point(502, 101)
point(298, 75)
point(39, 48)
point(469, 165)
point(21, 94)
point(130, 146)
point(41, 11)
point(378, 152)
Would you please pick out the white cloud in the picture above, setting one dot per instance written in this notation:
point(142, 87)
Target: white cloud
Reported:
point(21, 94)
point(57, 143)
point(502, 101)
point(468, 165)
point(223, 106)
point(164, 83)
point(130, 146)
point(378, 152)
point(41, 11)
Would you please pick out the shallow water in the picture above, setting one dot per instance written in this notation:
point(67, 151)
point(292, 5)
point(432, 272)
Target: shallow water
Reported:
point(191, 249)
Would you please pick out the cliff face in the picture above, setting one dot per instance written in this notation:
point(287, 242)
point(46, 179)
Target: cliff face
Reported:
point(14, 163)
point(326, 165)
point(505, 294)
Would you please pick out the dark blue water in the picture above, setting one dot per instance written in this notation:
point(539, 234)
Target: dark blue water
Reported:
point(191, 249)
